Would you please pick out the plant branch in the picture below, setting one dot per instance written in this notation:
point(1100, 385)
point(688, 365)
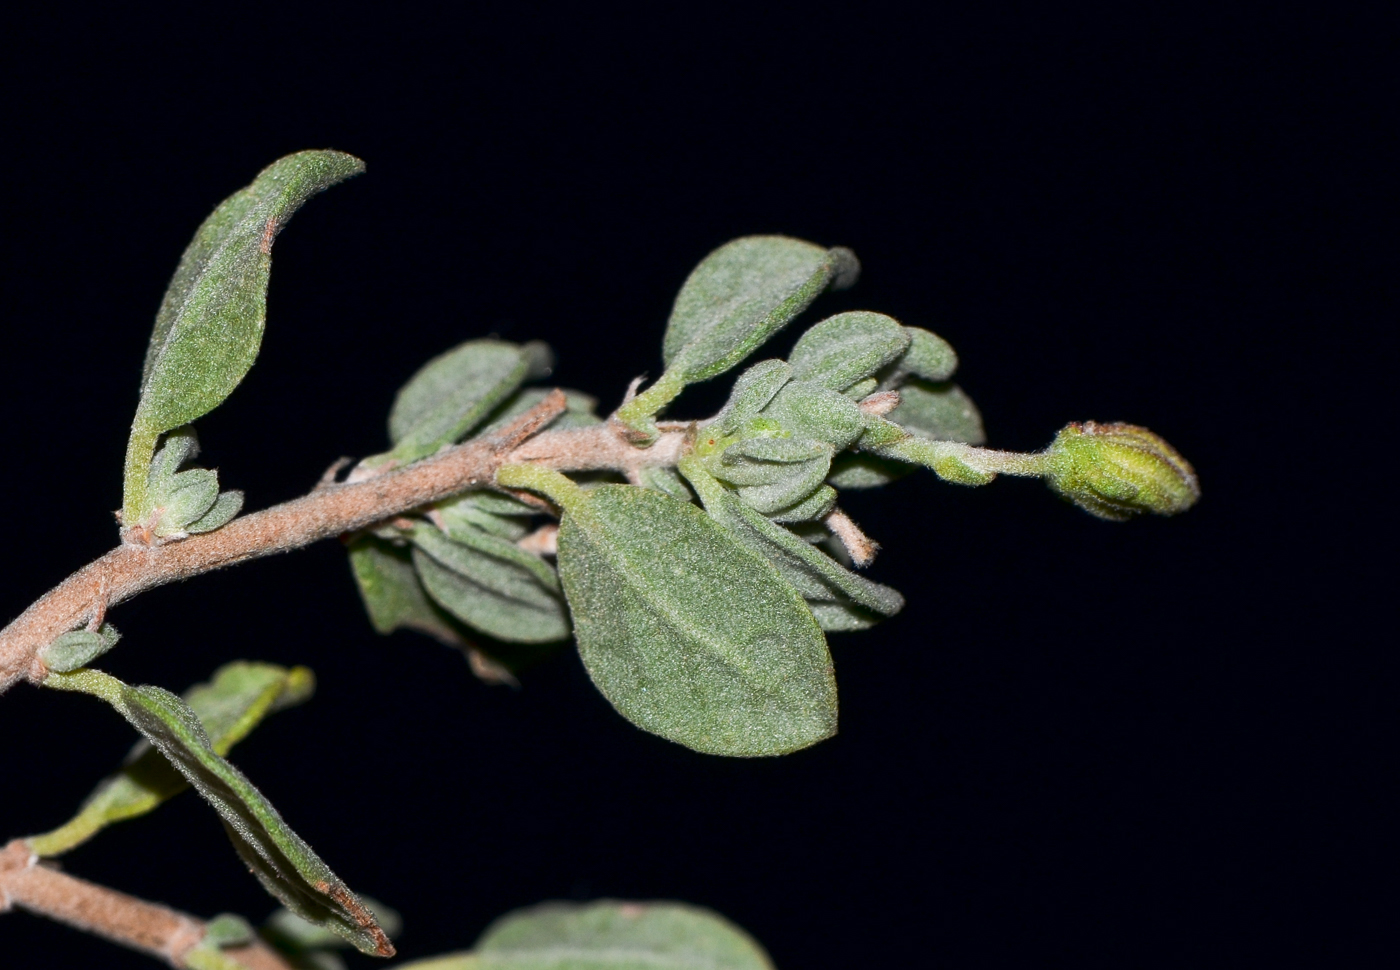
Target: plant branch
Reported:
point(149, 927)
point(329, 510)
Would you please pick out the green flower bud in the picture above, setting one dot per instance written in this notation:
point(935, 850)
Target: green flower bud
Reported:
point(1116, 471)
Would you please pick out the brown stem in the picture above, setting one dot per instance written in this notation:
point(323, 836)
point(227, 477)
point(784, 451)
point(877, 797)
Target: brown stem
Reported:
point(329, 510)
point(149, 927)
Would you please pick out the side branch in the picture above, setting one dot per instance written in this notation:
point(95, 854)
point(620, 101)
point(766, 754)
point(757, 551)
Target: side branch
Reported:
point(329, 510)
point(149, 927)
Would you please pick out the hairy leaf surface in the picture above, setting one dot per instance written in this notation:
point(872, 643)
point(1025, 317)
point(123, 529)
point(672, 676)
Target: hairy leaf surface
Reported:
point(392, 594)
point(942, 412)
point(491, 584)
point(210, 323)
point(846, 348)
point(688, 633)
point(229, 706)
point(287, 867)
point(808, 570)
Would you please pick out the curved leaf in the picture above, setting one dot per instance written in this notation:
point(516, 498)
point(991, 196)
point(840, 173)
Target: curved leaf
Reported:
point(942, 412)
point(210, 323)
point(808, 570)
point(287, 867)
point(491, 584)
point(392, 594)
point(229, 706)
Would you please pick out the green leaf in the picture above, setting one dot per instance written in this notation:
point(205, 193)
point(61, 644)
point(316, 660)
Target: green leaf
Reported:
point(942, 412)
point(287, 867)
point(210, 323)
point(392, 594)
point(613, 935)
point(292, 935)
point(666, 480)
point(465, 511)
point(491, 584)
point(814, 506)
point(846, 348)
point(453, 393)
point(929, 357)
point(225, 507)
point(234, 702)
point(809, 410)
point(739, 296)
point(78, 648)
point(808, 570)
point(752, 391)
point(688, 633)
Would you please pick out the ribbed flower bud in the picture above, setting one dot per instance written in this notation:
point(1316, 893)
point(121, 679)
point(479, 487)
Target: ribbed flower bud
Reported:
point(1117, 471)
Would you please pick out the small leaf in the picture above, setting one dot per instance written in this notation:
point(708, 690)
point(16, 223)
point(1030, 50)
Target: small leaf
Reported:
point(688, 633)
point(292, 935)
point(808, 570)
point(465, 511)
point(799, 483)
point(210, 323)
point(814, 506)
point(613, 935)
point(942, 412)
point(192, 493)
point(287, 867)
point(929, 357)
point(452, 394)
point(238, 697)
point(228, 505)
point(811, 411)
point(846, 348)
point(491, 584)
point(78, 648)
point(392, 594)
point(752, 391)
point(666, 480)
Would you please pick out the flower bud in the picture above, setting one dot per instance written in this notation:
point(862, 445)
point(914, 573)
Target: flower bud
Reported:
point(1116, 471)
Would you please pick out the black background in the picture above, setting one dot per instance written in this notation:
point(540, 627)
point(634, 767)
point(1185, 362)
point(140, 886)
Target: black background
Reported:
point(1141, 744)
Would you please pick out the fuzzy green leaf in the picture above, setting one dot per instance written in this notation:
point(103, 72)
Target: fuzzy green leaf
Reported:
point(392, 594)
point(752, 391)
point(613, 935)
point(814, 506)
point(929, 358)
point(287, 867)
point(225, 507)
point(942, 412)
point(210, 323)
point(229, 706)
point(466, 511)
point(688, 633)
point(739, 296)
point(78, 648)
point(846, 348)
point(808, 570)
point(491, 584)
point(809, 410)
point(453, 393)
point(666, 480)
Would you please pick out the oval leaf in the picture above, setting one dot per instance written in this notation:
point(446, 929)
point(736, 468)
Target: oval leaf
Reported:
point(688, 633)
point(392, 594)
point(739, 296)
point(846, 348)
point(453, 393)
point(613, 935)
